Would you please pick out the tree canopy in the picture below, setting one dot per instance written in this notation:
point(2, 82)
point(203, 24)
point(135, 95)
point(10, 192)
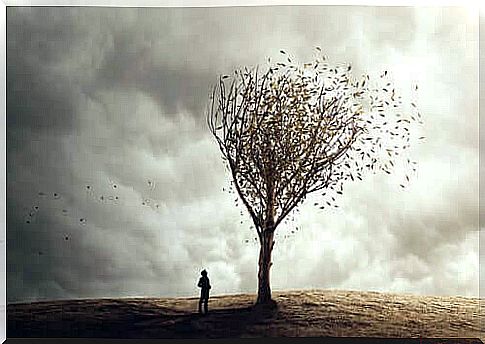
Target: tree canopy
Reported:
point(295, 129)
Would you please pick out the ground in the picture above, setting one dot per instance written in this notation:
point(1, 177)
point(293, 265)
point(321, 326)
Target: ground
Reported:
point(298, 314)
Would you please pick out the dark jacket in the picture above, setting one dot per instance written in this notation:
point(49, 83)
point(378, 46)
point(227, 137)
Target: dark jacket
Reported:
point(205, 285)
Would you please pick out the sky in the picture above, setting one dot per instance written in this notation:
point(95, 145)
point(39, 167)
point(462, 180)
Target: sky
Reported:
point(115, 187)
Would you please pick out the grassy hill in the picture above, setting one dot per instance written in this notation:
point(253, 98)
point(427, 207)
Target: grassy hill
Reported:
point(299, 313)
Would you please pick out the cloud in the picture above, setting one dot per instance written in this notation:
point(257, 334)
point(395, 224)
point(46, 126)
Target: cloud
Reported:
point(107, 136)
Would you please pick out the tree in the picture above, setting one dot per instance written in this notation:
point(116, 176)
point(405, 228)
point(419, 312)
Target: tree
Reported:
point(294, 130)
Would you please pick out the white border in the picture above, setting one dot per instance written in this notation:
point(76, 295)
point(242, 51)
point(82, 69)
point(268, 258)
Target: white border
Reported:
point(474, 4)
point(3, 173)
point(219, 3)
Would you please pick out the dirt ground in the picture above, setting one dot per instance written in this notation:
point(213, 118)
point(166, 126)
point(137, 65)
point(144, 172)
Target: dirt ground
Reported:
point(298, 314)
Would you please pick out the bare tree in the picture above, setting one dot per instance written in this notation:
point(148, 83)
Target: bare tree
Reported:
point(294, 130)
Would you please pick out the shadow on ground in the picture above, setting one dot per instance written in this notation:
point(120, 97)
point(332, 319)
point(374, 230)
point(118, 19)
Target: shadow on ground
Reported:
point(101, 322)
point(234, 322)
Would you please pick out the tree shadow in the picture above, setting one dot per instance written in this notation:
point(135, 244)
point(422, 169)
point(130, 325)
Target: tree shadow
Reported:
point(114, 321)
point(218, 323)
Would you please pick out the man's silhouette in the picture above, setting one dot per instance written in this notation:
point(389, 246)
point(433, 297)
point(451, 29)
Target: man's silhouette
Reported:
point(204, 292)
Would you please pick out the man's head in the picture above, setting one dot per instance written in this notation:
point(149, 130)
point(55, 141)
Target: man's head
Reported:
point(204, 273)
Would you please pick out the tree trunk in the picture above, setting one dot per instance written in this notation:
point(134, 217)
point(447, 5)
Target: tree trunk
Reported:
point(266, 236)
point(264, 289)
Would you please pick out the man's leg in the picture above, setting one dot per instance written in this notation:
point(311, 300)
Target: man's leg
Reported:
point(206, 307)
point(200, 305)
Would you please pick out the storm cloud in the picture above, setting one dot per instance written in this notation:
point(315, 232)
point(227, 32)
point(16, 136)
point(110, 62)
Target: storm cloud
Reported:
point(115, 187)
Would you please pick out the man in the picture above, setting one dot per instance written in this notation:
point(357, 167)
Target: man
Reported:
point(204, 292)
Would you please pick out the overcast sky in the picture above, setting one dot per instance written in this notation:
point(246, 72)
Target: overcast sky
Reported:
point(114, 99)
